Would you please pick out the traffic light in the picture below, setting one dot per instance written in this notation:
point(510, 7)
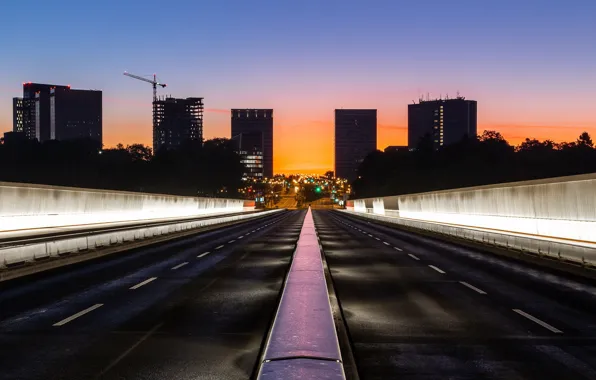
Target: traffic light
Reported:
point(318, 189)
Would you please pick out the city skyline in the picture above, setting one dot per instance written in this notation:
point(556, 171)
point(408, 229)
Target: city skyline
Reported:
point(529, 72)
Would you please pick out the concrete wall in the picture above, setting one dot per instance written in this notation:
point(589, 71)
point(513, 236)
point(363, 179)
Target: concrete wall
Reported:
point(562, 208)
point(25, 206)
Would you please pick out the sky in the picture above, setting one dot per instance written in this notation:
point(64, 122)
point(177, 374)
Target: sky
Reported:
point(531, 65)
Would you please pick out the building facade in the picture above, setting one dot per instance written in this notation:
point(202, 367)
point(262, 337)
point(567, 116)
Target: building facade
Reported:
point(17, 115)
point(253, 128)
point(445, 121)
point(249, 147)
point(176, 121)
point(74, 114)
point(33, 109)
point(355, 138)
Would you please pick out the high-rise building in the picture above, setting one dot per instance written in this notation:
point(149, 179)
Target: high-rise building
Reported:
point(355, 138)
point(446, 121)
point(34, 114)
point(176, 121)
point(256, 127)
point(17, 115)
point(74, 114)
point(248, 145)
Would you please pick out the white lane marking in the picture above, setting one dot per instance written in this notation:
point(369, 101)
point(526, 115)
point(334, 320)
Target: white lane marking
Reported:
point(437, 269)
point(472, 287)
point(538, 321)
point(399, 249)
point(386, 243)
point(231, 241)
point(248, 233)
point(180, 265)
point(252, 231)
point(240, 237)
point(219, 247)
point(370, 235)
point(143, 283)
point(203, 254)
point(79, 314)
point(364, 232)
point(412, 256)
point(377, 238)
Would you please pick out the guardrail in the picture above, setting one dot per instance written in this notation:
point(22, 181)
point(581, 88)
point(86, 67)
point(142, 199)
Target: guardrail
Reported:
point(303, 343)
point(31, 252)
point(584, 254)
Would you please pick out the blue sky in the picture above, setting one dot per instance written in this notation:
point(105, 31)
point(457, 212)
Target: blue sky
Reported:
point(529, 64)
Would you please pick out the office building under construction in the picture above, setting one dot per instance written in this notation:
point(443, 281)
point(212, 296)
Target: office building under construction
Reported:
point(175, 121)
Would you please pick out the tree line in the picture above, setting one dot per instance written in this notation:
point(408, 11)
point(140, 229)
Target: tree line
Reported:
point(210, 168)
point(486, 159)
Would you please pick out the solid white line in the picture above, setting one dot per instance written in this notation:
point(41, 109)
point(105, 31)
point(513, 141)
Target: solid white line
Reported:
point(437, 269)
point(412, 256)
point(538, 321)
point(472, 287)
point(219, 247)
point(386, 243)
point(79, 314)
point(143, 283)
point(203, 254)
point(231, 241)
point(399, 249)
point(180, 265)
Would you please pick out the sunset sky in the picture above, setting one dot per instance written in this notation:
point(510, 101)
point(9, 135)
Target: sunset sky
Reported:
point(531, 65)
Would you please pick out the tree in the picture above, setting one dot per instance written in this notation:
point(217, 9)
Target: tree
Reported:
point(585, 140)
point(139, 152)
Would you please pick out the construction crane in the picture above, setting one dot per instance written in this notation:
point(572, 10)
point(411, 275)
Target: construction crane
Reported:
point(154, 82)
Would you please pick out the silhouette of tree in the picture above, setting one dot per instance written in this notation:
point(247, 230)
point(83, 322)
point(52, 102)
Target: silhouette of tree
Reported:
point(194, 168)
point(470, 162)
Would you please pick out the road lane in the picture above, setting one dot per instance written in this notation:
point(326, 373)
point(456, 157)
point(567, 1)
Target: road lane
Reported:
point(209, 316)
point(409, 316)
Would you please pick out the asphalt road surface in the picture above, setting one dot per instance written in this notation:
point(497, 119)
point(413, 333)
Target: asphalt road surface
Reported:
point(417, 308)
point(194, 308)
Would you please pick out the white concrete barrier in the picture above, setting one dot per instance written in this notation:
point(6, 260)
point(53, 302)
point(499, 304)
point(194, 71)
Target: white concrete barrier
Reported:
point(26, 206)
point(30, 252)
point(548, 215)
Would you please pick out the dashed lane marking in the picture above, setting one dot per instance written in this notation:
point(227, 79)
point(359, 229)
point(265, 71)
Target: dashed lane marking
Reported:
point(143, 283)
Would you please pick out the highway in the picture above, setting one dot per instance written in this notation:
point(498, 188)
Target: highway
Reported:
point(195, 307)
point(200, 307)
point(416, 308)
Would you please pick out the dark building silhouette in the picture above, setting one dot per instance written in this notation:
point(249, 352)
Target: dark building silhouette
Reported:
point(14, 137)
point(256, 128)
point(447, 121)
point(34, 114)
point(248, 146)
point(17, 115)
point(396, 148)
point(355, 138)
point(175, 121)
point(74, 114)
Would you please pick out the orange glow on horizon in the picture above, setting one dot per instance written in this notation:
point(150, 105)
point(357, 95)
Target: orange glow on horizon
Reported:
point(307, 146)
